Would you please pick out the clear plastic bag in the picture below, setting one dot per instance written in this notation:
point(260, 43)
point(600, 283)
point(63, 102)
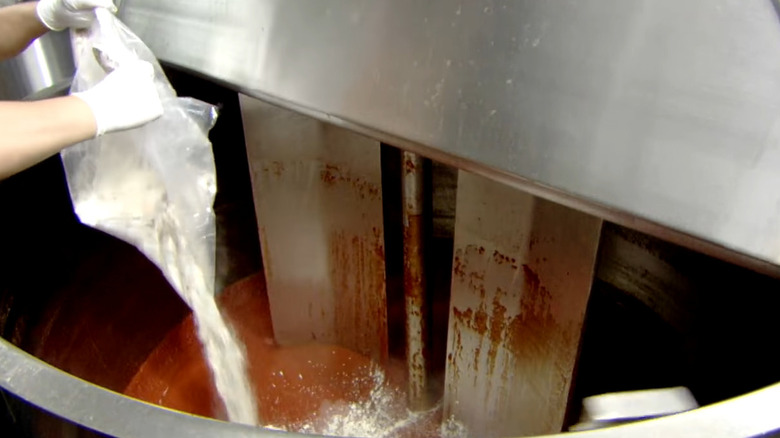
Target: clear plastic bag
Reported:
point(152, 186)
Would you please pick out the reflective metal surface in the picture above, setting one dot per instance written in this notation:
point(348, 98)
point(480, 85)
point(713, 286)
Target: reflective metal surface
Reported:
point(608, 410)
point(42, 70)
point(521, 278)
point(318, 198)
point(642, 112)
point(635, 405)
point(415, 280)
point(100, 409)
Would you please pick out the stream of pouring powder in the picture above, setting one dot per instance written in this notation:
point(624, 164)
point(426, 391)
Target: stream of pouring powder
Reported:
point(226, 359)
point(222, 349)
point(134, 207)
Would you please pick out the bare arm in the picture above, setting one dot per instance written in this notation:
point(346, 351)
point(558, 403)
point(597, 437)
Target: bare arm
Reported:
point(33, 131)
point(19, 26)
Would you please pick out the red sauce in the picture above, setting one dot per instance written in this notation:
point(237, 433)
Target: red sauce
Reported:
point(292, 384)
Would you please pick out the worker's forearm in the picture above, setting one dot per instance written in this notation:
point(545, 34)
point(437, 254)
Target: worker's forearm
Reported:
point(33, 131)
point(19, 26)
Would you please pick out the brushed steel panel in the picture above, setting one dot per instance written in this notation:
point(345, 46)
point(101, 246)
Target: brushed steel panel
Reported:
point(521, 279)
point(318, 198)
point(644, 112)
point(42, 70)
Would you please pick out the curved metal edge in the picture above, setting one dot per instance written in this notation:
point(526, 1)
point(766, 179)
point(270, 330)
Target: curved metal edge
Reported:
point(104, 411)
point(61, 88)
point(750, 415)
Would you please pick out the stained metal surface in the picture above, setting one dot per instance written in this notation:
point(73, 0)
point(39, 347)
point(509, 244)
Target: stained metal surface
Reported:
point(415, 299)
point(100, 409)
point(42, 70)
point(318, 199)
point(644, 112)
point(522, 273)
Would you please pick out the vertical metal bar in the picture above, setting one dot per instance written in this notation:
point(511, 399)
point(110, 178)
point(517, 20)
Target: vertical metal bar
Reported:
point(414, 280)
point(318, 198)
point(522, 274)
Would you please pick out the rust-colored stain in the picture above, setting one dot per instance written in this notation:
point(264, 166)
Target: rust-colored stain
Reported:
point(501, 259)
point(330, 174)
point(356, 314)
point(533, 333)
point(532, 281)
point(457, 351)
point(463, 272)
point(333, 175)
point(415, 311)
point(379, 245)
point(480, 321)
point(412, 253)
point(514, 316)
point(497, 332)
point(509, 344)
point(275, 168)
point(358, 276)
point(464, 316)
point(409, 166)
point(457, 265)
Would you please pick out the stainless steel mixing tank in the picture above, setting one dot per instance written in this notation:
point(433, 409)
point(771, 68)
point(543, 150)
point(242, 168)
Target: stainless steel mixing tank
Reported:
point(659, 116)
point(45, 69)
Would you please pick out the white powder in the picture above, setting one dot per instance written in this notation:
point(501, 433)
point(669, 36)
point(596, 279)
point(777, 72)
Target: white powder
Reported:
point(451, 428)
point(382, 415)
point(225, 357)
point(131, 203)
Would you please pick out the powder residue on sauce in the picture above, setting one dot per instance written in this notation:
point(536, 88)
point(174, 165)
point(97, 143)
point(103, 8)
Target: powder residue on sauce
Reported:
point(314, 388)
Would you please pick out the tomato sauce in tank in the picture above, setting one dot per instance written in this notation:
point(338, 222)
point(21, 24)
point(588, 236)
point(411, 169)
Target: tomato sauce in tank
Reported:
point(313, 388)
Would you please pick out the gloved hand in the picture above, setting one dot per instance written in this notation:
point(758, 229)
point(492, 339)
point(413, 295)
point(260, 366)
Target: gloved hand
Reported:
point(125, 99)
point(61, 14)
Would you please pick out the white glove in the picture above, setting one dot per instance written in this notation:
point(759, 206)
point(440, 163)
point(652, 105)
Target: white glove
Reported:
point(125, 99)
point(61, 14)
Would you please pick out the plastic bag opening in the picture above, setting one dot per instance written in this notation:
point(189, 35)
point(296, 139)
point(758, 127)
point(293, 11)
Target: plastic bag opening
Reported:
point(152, 186)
